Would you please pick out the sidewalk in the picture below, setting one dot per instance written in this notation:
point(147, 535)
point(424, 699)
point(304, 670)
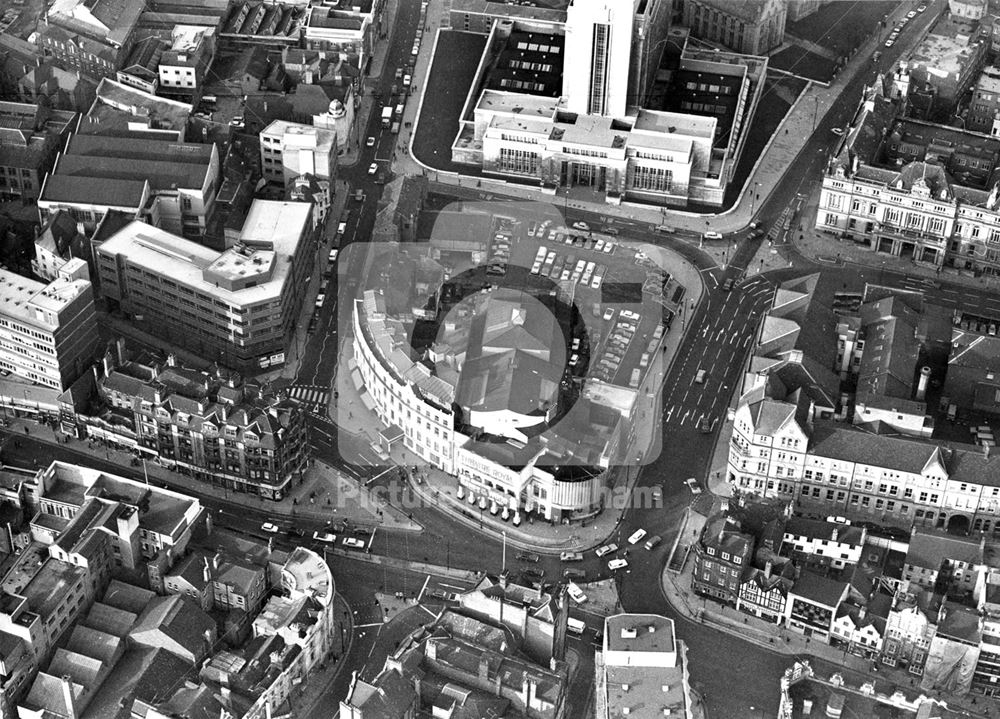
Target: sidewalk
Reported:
point(436, 488)
point(677, 591)
point(324, 494)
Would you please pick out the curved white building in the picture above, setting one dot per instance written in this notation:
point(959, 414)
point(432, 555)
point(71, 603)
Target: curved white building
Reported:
point(480, 401)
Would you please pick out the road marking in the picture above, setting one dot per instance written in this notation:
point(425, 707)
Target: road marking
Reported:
point(367, 626)
point(669, 414)
point(424, 588)
point(686, 413)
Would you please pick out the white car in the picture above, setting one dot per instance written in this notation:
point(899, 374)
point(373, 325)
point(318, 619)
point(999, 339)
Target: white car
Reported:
point(571, 557)
point(407, 80)
point(332, 257)
point(599, 246)
point(889, 43)
point(324, 537)
point(595, 284)
point(268, 527)
point(373, 168)
point(837, 130)
point(606, 549)
point(353, 542)
point(615, 564)
point(921, 8)
point(713, 235)
point(609, 314)
point(912, 14)
point(581, 226)
point(692, 484)
point(637, 536)
point(576, 594)
point(370, 142)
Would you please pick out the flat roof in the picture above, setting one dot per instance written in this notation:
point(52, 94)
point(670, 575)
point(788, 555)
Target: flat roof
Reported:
point(652, 633)
point(48, 588)
point(279, 225)
point(20, 297)
point(517, 103)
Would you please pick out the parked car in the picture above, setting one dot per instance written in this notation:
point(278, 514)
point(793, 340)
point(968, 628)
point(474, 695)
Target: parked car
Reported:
point(658, 494)
point(606, 549)
point(528, 557)
point(373, 168)
point(533, 573)
point(653, 541)
point(712, 235)
point(837, 130)
point(615, 564)
point(571, 557)
point(693, 485)
point(581, 226)
point(270, 528)
point(727, 285)
point(576, 594)
point(324, 537)
point(575, 574)
point(354, 543)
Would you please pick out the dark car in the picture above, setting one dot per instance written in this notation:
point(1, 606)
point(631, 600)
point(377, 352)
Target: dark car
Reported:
point(727, 285)
point(296, 532)
point(533, 572)
point(528, 557)
point(577, 575)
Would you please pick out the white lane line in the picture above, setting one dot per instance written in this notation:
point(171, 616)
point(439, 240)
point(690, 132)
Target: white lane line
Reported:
point(669, 414)
point(424, 588)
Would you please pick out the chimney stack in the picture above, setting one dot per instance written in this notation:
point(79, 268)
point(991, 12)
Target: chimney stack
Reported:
point(922, 382)
point(207, 572)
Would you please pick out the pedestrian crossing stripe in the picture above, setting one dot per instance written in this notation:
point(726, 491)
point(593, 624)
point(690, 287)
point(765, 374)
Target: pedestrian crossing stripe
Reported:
point(315, 397)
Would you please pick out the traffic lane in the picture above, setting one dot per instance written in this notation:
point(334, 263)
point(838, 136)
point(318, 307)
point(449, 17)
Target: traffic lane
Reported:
point(728, 671)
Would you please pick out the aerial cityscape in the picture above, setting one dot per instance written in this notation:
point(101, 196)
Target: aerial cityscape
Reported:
point(499, 359)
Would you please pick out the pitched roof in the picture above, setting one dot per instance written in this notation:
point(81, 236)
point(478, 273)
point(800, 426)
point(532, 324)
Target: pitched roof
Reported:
point(930, 549)
point(178, 618)
point(818, 589)
point(838, 442)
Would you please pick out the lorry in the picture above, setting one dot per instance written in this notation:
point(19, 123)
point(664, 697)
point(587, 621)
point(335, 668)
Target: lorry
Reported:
point(386, 116)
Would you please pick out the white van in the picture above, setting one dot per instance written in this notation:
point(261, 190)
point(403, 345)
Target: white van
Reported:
point(341, 229)
point(575, 626)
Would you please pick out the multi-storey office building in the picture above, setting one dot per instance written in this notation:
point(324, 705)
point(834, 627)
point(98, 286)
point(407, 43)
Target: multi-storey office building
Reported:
point(289, 150)
point(90, 36)
point(528, 117)
point(779, 449)
point(914, 189)
point(30, 136)
point(211, 426)
point(754, 28)
point(48, 332)
point(238, 306)
point(182, 67)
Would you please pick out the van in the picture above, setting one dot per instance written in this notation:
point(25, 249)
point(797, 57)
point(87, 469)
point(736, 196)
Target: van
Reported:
point(575, 626)
point(341, 229)
point(700, 377)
